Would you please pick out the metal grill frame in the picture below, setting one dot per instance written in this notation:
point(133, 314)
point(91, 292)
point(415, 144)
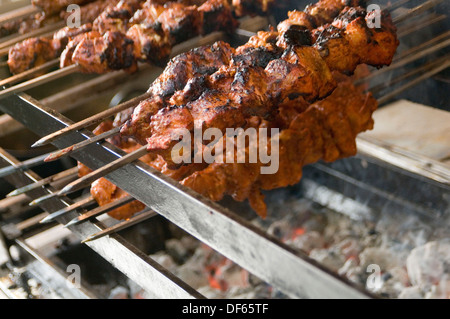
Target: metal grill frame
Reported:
point(291, 271)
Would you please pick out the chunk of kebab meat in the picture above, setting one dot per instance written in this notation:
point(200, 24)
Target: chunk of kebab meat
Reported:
point(107, 47)
point(151, 43)
point(349, 41)
point(326, 130)
point(252, 7)
point(180, 22)
point(33, 52)
point(184, 73)
point(115, 18)
point(30, 53)
point(317, 14)
point(217, 15)
point(96, 53)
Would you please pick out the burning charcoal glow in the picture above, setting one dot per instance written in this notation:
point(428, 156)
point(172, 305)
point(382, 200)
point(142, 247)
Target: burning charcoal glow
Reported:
point(402, 255)
point(209, 272)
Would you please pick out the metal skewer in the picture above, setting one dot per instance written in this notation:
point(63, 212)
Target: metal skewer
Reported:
point(244, 33)
point(92, 120)
point(80, 203)
point(19, 13)
point(78, 146)
point(59, 176)
point(42, 199)
point(380, 87)
point(23, 75)
point(7, 203)
point(396, 4)
point(139, 217)
point(46, 31)
point(413, 82)
point(108, 168)
point(416, 26)
point(23, 165)
point(416, 11)
point(422, 46)
point(100, 210)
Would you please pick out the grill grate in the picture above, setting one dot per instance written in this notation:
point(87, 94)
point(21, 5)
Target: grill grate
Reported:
point(226, 231)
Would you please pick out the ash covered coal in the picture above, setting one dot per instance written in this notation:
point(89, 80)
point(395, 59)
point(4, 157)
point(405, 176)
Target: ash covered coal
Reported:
point(392, 255)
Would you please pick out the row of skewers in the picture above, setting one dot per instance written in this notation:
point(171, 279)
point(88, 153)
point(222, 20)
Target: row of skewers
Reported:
point(117, 35)
point(272, 81)
point(347, 110)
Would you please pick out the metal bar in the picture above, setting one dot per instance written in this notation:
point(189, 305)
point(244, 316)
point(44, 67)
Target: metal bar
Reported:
point(139, 217)
point(133, 263)
point(427, 167)
point(100, 210)
point(38, 81)
point(237, 239)
point(66, 289)
point(24, 75)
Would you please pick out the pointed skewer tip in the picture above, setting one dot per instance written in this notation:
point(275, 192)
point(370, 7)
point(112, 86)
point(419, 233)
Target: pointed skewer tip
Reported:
point(41, 199)
point(13, 193)
point(88, 239)
point(46, 220)
point(38, 143)
point(72, 222)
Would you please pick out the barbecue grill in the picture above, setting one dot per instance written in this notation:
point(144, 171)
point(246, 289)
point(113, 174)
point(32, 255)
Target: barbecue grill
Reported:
point(389, 193)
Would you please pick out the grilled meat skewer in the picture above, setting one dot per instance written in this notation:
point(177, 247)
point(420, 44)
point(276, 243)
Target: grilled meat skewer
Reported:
point(153, 27)
point(324, 130)
point(186, 72)
point(255, 87)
